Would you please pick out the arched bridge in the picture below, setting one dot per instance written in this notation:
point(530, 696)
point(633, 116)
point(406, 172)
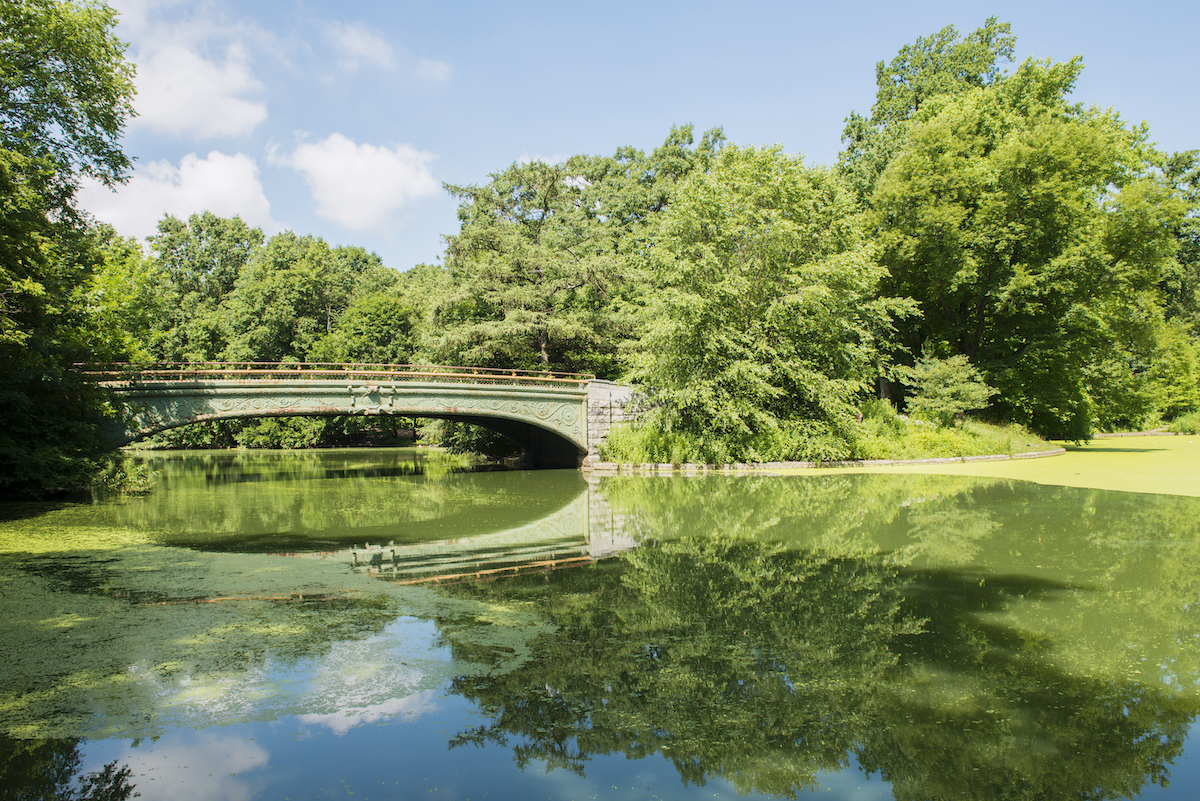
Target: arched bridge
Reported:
point(556, 418)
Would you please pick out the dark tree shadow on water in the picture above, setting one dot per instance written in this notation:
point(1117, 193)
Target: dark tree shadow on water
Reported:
point(765, 667)
point(48, 770)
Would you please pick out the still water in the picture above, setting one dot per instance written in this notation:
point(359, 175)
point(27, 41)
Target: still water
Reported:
point(268, 625)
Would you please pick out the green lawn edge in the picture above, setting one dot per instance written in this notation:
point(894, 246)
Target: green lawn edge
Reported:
point(1147, 463)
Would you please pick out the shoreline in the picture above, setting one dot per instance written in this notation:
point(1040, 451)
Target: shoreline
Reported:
point(744, 467)
point(1148, 463)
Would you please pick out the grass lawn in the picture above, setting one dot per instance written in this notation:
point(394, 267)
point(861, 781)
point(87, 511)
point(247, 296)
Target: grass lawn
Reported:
point(1167, 465)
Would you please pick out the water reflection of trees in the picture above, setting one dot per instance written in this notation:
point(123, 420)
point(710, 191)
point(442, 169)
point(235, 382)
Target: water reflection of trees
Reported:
point(49, 770)
point(964, 638)
point(112, 634)
point(731, 659)
point(947, 634)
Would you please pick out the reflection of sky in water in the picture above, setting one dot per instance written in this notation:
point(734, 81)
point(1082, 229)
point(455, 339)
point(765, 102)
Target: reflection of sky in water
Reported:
point(357, 681)
point(198, 765)
point(403, 756)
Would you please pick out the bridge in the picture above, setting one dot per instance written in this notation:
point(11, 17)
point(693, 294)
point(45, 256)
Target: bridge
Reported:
point(557, 419)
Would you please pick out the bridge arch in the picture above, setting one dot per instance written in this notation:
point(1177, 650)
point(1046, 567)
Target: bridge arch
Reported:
point(546, 414)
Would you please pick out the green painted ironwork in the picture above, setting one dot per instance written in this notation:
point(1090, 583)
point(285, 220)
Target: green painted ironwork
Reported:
point(546, 413)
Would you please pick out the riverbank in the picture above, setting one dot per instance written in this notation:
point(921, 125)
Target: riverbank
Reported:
point(1151, 463)
point(1162, 465)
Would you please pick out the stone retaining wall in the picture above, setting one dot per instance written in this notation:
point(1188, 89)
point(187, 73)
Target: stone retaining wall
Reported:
point(608, 404)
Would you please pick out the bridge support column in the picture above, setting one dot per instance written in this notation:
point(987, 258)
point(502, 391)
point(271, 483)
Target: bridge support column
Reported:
point(608, 404)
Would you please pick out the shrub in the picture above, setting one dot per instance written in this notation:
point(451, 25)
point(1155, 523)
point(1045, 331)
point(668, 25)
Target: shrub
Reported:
point(1186, 424)
point(946, 388)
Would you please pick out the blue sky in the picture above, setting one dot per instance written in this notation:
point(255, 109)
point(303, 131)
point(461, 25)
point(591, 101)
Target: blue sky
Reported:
point(343, 119)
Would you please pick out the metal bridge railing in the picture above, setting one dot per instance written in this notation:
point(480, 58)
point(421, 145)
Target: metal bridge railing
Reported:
point(130, 373)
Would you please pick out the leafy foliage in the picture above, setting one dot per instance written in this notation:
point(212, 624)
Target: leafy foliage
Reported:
point(66, 91)
point(540, 271)
point(941, 64)
point(1018, 222)
point(1180, 283)
point(945, 388)
point(765, 322)
point(50, 438)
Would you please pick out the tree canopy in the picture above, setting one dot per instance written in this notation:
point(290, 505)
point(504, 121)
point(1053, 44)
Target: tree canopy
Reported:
point(765, 321)
point(940, 64)
point(1014, 219)
point(66, 89)
point(542, 275)
point(65, 93)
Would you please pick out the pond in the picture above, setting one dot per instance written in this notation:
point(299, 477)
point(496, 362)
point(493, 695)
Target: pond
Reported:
point(393, 624)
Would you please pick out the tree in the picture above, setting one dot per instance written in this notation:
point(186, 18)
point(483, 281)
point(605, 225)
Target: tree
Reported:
point(289, 296)
point(945, 388)
point(375, 329)
point(196, 266)
point(50, 435)
point(66, 91)
point(124, 297)
point(765, 320)
point(540, 268)
point(1014, 219)
point(942, 64)
point(1180, 283)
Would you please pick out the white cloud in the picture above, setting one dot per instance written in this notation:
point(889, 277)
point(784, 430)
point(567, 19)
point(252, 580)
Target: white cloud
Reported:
point(412, 706)
point(358, 45)
point(223, 184)
point(135, 14)
point(182, 93)
point(361, 186)
point(198, 766)
point(432, 72)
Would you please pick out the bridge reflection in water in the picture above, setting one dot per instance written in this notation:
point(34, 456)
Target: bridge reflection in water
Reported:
point(579, 533)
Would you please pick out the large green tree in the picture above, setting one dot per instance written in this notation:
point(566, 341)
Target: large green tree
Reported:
point(375, 329)
point(940, 64)
point(1181, 282)
point(292, 293)
point(540, 274)
point(65, 93)
point(195, 267)
point(765, 322)
point(1019, 223)
point(50, 434)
